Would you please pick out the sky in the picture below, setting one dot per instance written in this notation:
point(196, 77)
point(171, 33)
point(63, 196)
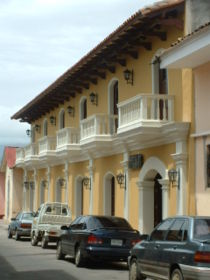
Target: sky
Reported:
point(40, 40)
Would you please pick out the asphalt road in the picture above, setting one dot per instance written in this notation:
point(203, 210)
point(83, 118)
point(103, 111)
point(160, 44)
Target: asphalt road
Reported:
point(20, 261)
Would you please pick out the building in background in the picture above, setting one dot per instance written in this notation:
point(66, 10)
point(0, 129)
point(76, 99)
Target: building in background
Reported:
point(2, 193)
point(105, 134)
point(13, 184)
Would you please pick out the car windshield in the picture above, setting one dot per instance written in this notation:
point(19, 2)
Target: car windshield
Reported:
point(28, 216)
point(112, 222)
point(201, 229)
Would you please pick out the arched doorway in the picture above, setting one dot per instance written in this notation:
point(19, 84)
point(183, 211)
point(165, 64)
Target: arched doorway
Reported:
point(109, 194)
point(31, 196)
point(62, 119)
point(45, 128)
point(153, 194)
point(58, 191)
point(79, 196)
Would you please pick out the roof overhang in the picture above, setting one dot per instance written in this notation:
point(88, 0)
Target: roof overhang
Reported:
point(191, 52)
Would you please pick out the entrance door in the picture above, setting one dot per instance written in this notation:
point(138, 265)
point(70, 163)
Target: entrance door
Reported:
point(163, 89)
point(157, 201)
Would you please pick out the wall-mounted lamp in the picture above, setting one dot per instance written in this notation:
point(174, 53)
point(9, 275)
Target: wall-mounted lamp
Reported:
point(121, 180)
point(38, 128)
point(53, 120)
point(174, 177)
point(31, 184)
point(94, 98)
point(61, 182)
point(44, 183)
point(28, 132)
point(128, 76)
point(71, 111)
point(26, 184)
point(86, 182)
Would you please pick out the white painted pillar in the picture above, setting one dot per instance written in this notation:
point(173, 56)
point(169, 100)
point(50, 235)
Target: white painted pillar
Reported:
point(35, 192)
point(126, 191)
point(165, 197)
point(66, 174)
point(48, 173)
point(24, 189)
point(90, 169)
point(181, 165)
point(146, 206)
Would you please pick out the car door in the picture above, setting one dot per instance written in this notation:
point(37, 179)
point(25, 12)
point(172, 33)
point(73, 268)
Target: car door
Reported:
point(150, 261)
point(14, 222)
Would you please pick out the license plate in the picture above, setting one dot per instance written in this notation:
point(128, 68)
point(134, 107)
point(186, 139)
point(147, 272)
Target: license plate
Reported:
point(116, 242)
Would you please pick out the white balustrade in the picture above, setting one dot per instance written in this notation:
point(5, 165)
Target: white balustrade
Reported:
point(68, 135)
point(98, 125)
point(31, 150)
point(20, 155)
point(46, 144)
point(146, 107)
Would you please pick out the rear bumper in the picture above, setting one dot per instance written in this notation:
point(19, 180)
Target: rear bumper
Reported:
point(24, 232)
point(195, 272)
point(117, 254)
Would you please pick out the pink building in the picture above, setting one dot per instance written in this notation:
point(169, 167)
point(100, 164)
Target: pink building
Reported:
point(2, 194)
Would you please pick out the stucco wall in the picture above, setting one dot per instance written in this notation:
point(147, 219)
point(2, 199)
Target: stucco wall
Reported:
point(2, 193)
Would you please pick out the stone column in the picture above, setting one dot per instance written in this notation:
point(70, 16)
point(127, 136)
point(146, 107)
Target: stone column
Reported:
point(66, 175)
point(165, 197)
point(146, 206)
point(126, 193)
point(181, 165)
point(35, 192)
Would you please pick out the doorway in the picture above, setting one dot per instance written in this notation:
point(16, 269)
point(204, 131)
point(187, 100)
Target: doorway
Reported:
point(109, 195)
point(157, 200)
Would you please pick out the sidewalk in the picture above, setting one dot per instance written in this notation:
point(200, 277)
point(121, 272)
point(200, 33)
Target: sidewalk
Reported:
point(3, 224)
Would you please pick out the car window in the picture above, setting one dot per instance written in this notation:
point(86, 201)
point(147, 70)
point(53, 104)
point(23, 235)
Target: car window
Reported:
point(18, 216)
point(76, 221)
point(185, 230)
point(160, 232)
point(175, 232)
point(112, 222)
point(201, 228)
point(28, 216)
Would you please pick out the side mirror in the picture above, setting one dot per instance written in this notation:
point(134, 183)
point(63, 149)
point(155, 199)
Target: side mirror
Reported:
point(145, 237)
point(13, 219)
point(64, 227)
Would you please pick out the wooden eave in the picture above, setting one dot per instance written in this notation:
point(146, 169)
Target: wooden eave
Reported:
point(126, 41)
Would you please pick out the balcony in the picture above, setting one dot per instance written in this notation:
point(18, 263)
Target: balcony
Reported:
point(31, 153)
point(20, 157)
point(148, 120)
point(68, 141)
point(47, 148)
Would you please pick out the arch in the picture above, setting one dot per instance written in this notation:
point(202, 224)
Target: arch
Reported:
point(83, 108)
point(109, 193)
point(61, 118)
point(45, 127)
point(151, 167)
point(78, 195)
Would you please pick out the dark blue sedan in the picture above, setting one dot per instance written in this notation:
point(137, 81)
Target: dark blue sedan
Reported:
point(177, 249)
point(21, 225)
point(97, 237)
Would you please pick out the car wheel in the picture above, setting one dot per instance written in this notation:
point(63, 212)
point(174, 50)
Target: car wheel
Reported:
point(9, 233)
point(17, 236)
point(44, 242)
point(133, 274)
point(34, 240)
point(59, 253)
point(79, 260)
point(177, 275)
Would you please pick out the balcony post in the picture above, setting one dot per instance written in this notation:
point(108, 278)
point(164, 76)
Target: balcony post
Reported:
point(143, 108)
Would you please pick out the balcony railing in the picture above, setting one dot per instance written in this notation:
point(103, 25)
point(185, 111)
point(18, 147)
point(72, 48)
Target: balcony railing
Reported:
point(66, 136)
point(20, 155)
point(146, 107)
point(31, 150)
point(47, 144)
point(98, 125)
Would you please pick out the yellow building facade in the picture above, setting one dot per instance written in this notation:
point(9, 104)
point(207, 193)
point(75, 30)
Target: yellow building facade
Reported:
point(115, 113)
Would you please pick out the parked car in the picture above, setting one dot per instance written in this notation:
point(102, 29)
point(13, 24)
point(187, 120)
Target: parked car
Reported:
point(21, 225)
point(97, 237)
point(177, 249)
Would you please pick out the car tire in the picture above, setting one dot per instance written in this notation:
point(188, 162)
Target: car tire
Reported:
point(34, 240)
point(9, 234)
point(44, 242)
point(59, 254)
point(17, 236)
point(79, 259)
point(177, 275)
point(133, 274)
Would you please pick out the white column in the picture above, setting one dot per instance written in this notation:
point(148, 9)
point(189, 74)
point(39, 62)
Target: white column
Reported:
point(126, 192)
point(165, 197)
point(66, 174)
point(24, 188)
point(90, 169)
point(35, 192)
point(48, 173)
point(146, 206)
point(181, 165)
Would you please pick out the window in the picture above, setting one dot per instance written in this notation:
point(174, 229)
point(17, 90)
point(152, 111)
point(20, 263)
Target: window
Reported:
point(176, 231)
point(62, 119)
point(160, 232)
point(208, 166)
point(201, 229)
point(45, 128)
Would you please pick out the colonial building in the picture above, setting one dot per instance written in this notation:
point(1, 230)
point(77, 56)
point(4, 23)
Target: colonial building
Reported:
point(105, 134)
point(193, 51)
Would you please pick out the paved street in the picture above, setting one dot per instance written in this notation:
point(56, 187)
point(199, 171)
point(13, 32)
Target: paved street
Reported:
point(19, 260)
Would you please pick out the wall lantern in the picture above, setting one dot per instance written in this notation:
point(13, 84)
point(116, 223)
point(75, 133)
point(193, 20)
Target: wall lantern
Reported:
point(86, 182)
point(174, 177)
point(53, 120)
point(38, 128)
point(61, 182)
point(28, 132)
point(94, 98)
point(128, 76)
point(26, 184)
point(70, 110)
point(121, 180)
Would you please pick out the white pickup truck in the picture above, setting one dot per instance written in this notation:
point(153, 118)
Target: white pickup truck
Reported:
point(47, 222)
